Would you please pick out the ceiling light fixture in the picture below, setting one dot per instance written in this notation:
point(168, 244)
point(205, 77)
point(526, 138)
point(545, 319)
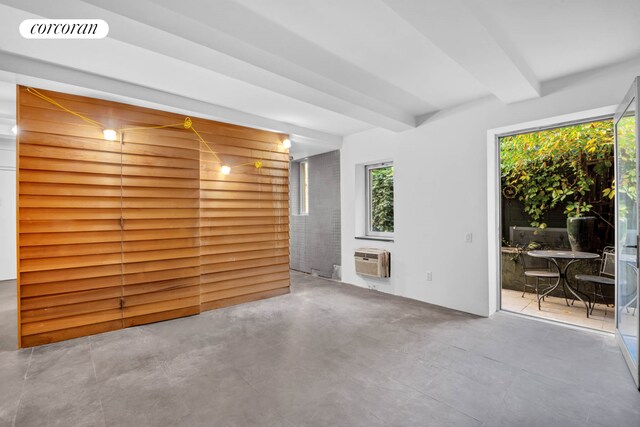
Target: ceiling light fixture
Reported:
point(14, 129)
point(286, 143)
point(225, 170)
point(110, 134)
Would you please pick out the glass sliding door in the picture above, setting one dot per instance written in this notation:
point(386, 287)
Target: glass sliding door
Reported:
point(627, 310)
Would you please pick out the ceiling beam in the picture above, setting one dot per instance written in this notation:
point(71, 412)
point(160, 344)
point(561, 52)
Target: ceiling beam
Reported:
point(237, 31)
point(202, 39)
point(27, 71)
point(461, 29)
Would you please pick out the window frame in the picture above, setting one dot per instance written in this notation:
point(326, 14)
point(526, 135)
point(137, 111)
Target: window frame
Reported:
point(303, 183)
point(494, 200)
point(368, 199)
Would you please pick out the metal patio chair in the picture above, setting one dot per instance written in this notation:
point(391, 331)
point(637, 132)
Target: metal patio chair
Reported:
point(538, 269)
point(605, 276)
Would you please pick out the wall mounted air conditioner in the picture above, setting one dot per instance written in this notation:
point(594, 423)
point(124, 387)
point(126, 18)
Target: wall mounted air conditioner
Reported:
point(373, 262)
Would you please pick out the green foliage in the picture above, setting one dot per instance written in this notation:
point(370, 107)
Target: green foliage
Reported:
point(548, 168)
point(575, 209)
point(626, 165)
point(382, 199)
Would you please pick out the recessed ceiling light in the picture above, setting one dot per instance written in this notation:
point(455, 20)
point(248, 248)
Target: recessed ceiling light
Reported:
point(14, 129)
point(225, 170)
point(286, 143)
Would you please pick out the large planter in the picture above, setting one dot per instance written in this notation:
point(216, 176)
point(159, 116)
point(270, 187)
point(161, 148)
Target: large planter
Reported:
point(581, 233)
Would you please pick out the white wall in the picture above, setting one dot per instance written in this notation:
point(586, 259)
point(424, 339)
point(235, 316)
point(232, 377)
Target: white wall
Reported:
point(441, 190)
point(7, 209)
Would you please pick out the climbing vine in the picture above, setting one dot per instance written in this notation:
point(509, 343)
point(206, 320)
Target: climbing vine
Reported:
point(550, 168)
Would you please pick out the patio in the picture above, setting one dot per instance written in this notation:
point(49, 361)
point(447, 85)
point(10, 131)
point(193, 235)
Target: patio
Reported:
point(554, 308)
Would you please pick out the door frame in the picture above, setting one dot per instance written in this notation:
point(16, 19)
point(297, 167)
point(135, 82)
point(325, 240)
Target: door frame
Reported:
point(494, 201)
point(633, 93)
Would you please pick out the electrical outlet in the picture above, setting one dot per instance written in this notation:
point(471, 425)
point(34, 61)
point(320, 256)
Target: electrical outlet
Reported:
point(468, 238)
point(429, 276)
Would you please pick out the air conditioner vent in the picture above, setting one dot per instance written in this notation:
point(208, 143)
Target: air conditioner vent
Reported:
point(366, 255)
point(373, 262)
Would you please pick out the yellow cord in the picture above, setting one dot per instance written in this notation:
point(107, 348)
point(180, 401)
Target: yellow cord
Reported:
point(257, 164)
point(151, 127)
point(187, 124)
point(36, 93)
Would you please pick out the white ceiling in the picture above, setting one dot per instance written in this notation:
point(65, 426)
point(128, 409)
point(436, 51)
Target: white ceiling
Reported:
point(320, 70)
point(558, 38)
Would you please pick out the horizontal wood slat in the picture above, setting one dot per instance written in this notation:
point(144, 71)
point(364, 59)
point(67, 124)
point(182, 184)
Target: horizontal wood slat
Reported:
point(69, 310)
point(114, 234)
point(144, 288)
point(262, 272)
point(209, 297)
point(233, 284)
point(64, 285)
point(246, 229)
point(48, 301)
point(53, 238)
point(246, 255)
point(50, 178)
point(164, 264)
point(159, 316)
point(243, 247)
point(70, 250)
point(239, 265)
point(70, 333)
point(31, 328)
point(213, 301)
point(242, 221)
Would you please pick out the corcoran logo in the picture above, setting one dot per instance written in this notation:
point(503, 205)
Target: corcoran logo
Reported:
point(64, 29)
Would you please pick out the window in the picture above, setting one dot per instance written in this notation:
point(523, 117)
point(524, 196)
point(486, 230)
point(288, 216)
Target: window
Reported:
point(379, 181)
point(304, 188)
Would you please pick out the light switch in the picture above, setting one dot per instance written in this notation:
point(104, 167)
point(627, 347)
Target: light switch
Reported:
point(468, 238)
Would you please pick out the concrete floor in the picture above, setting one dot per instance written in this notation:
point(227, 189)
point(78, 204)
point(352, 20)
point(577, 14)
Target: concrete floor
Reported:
point(327, 354)
point(554, 308)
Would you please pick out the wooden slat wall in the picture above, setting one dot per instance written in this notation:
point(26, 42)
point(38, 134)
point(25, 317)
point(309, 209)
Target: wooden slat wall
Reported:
point(70, 262)
point(161, 256)
point(113, 235)
point(244, 216)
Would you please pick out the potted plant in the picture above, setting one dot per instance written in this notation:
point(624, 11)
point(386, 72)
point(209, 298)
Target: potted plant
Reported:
point(581, 229)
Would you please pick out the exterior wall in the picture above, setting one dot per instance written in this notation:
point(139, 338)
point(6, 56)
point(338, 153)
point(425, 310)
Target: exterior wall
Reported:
point(442, 190)
point(315, 238)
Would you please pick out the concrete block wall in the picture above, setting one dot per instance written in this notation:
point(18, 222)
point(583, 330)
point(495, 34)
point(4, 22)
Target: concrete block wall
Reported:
point(315, 238)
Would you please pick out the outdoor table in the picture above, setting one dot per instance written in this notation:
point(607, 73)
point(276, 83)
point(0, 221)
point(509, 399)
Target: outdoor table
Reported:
point(574, 257)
